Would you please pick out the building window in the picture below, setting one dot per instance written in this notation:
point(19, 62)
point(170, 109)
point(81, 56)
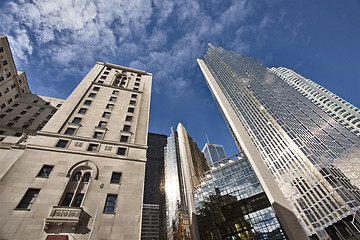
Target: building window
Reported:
point(35, 101)
point(132, 102)
point(6, 90)
point(31, 120)
point(121, 151)
point(1, 49)
point(10, 110)
point(110, 203)
point(78, 200)
point(126, 128)
point(4, 62)
point(36, 114)
point(115, 177)
point(15, 105)
point(28, 107)
point(106, 73)
point(137, 84)
point(77, 177)
point(3, 105)
point(17, 134)
point(112, 99)
point(10, 100)
point(82, 110)
point(67, 199)
point(86, 177)
point(45, 171)
point(115, 92)
point(102, 124)
point(2, 132)
point(108, 68)
point(16, 96)
point(110, 106)
point(59, 105)
point(47, 103)
point(70, 131)
point(62, 143)
point(100, 82)
point(29, 198)
point(87, 102)
point(96, 89)
point(76, 120)
point(39, 128)
point(131, 110)
point(106, 115)
point(16, 119)
point(137, 79)
point(49, 116)
point(44, 122)
point(12, 85)
point(41, 109)
point(93, 147)
point(25, 126)
point(128, 118)
point(92, 95)
point(124, 138)
point(98, 135)
point(136, 89)
point(10, 124)
point(53, 111)
point(2, 115)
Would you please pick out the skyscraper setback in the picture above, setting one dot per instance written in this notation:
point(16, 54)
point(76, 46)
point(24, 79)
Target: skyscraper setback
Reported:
point(290, 142)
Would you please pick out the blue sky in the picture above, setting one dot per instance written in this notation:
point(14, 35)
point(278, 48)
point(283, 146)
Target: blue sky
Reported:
point(57, 42)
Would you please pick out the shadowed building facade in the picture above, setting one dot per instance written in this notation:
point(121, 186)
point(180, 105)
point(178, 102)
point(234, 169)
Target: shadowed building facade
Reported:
point(306, 162)
point(82, 175)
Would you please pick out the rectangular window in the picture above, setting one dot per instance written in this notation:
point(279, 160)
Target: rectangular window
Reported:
point(108, 68)
point(2, 115)
point(102, 124)
point(96, 89)
point(138, 79)
point(39, 128)
point(4, 62)
point(49, 116)
point(78, 200)
point(28, 107)
point(112, 99)
point(10, 110)
point(110, 203)
point(130, 110)
point(115, 177)
point(15, 105)
point(62, 143)
point(82, 110)
point(10, 100)
point(115, 92)
point(41, 109)
point(36, 114)
point(35, 101)
point(67, 199)
point(93, 147)
point(87, 102)
point(70, 131)
point(6, 90)
point(29, 198)
point(53, 111)
point(47, 103)
point(126, 128)
point(76, 120)
point(106, 73)
point(45, 171)
point(3, 105)
point(25, 126)
point(98, 135)
point(136, 89)
point(132, 102)
point(16, 96)
point(110, 106)
point(1, 49)
point(12, 85)
point(128, 118)
point(121, 151)
point(92, 95)
point(31, 120)
point(133, 96)
point(44, 122)
point(137, 84)
point(59, 105)
point(124, 138)
point(10, 124)
point(8, 74)
point(106, 115)
point(16, 118)
point(100, 82)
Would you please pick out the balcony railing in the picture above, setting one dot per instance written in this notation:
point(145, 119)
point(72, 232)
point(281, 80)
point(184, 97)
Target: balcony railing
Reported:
point(64, 217)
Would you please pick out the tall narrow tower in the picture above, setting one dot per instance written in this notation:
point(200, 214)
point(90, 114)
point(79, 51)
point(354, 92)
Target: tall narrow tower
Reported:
point(292, 145)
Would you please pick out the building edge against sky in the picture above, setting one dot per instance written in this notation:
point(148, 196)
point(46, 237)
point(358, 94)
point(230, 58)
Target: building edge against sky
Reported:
point(258, 108)
point(83, 174)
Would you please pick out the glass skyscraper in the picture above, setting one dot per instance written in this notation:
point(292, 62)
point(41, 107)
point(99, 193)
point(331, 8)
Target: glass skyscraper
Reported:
point(290, 143)
point(213, 152)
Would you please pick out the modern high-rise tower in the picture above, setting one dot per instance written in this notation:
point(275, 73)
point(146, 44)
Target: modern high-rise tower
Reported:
point(342, 111)
point(292, 145)
point(213, 152)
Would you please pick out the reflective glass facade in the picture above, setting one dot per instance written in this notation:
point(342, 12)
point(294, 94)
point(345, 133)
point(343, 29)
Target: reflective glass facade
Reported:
point(213, 152)
point(313, 158)
point(231, 203)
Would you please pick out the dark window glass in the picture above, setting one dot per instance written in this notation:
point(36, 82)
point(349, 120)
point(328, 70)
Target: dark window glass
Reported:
point(31, 120)
point(45, 171)
point(39, 128)
point(98, 135)
point(70, 131)
point(96, 89)
point(110, 203)
point(36, 114)
point(41, 109)
point(15, 105)
point(92, 95)
point(67, 199)
point(59, 105)
point(4, 62)
point(131, 110)
point(23, 112)
point(78, 200)
point(35, 101)
point(28, 107)
point(87, 102)
point(137, 79)
point(17, 134)
point(10, 110)
point(106, 115)
point(110, 106)
point(53, 111)
point(93, 147)
point(115, 92)
point(29, 198)
point(102, 77)
point(10, 124)
point(106, 73)
point(128, 118)
point(100, 81)
point(44, 122)
point(115, 177)
point(112, 99)
point(77, 177)
point(86, 177)
point(121, 151)
point(47, 103)
point(62, 143)
point(102, 124)
point(82, 110)
point(137, 84)
point(2, 115)
point(16, 96)
point(124, 138)
point(16, 118)
point(136, 89)
point(3, 105)
point(132, 102)
point(76, 120)
point(49, 116)
point(25, 126)
point(126, 128)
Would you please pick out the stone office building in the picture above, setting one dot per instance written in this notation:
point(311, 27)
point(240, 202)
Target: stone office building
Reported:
point(82, 175)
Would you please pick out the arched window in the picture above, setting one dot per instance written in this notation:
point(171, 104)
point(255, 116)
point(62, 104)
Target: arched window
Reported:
point(86, 177)
point(77, 176)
